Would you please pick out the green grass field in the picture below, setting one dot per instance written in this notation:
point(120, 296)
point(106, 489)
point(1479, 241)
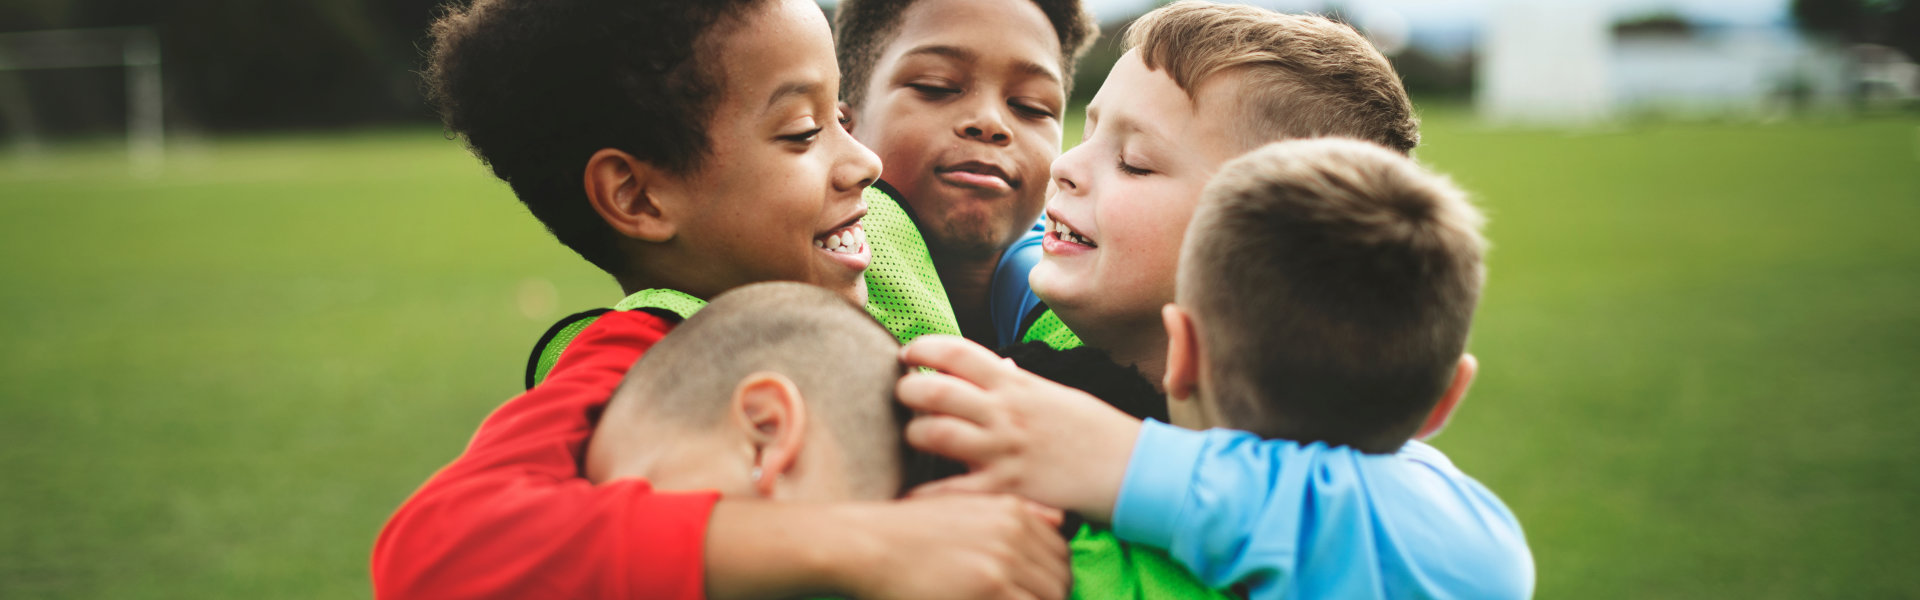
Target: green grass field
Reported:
point(1699, 346)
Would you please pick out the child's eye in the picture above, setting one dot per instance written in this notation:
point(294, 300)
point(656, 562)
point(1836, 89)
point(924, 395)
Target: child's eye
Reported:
point(805, 137)
point(933, 90)
point(1132, 170)
point(1032, 110)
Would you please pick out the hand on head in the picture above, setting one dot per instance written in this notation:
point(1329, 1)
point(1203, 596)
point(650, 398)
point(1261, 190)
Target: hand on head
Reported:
point(1017, 432)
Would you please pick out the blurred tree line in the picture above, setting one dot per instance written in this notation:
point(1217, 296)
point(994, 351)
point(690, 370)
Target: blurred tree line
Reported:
point(238, 64)
point(1894, 23)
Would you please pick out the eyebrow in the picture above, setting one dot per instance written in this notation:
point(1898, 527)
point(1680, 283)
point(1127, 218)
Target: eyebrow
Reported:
point(1022, 66)
point(791, 88)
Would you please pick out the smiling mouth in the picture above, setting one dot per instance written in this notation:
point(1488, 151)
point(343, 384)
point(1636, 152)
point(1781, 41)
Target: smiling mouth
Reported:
point(1060, 231)
point(850, 239)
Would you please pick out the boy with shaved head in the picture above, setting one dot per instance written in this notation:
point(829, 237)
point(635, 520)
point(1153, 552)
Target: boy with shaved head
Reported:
point(741, 399)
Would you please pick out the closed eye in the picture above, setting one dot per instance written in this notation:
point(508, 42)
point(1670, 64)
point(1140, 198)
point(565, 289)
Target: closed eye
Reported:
point(1032, 110)
point(1132, 170)
point(933, 91)
point(805, 137)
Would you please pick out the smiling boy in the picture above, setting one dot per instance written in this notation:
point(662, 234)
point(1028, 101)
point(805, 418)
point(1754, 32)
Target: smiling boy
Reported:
point(685, 148)
point(1200, 84)
point(963, 100)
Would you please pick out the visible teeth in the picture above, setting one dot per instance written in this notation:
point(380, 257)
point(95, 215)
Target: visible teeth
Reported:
point(819, 244)
point(833, 240)
point(860, 236)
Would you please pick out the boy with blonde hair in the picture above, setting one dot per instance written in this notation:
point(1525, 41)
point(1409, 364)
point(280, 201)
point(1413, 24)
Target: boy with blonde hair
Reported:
point(1200, 84)
point(1325, 294)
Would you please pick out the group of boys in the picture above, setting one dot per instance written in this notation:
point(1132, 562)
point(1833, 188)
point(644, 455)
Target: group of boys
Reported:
point(1241, 226)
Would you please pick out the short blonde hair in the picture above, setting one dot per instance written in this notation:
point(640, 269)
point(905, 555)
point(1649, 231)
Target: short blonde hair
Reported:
point(1305, 76)
point(1332, 283)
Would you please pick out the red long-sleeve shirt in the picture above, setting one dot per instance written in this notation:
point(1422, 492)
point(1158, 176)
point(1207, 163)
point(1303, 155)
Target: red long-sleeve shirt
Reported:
point(513, 518)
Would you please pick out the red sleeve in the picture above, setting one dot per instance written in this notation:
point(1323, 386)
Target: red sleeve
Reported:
point(513, 518)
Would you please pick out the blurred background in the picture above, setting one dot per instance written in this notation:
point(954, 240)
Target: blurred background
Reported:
point(251, 294)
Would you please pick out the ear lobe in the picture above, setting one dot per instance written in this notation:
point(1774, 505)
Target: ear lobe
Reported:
point(1183, 354)
point(768, 410)
point(1463, 375)
point(627, 192)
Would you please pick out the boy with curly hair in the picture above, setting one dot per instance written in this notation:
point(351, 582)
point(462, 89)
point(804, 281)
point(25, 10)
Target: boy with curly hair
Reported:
point(686, 148)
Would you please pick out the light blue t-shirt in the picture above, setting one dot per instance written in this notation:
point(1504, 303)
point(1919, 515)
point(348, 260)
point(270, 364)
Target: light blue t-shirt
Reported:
point(1287, 520)
point(1012, 297)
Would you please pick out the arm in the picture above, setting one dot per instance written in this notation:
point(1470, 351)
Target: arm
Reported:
point(1316, 521)
point(1282, 518)
point(512, 518)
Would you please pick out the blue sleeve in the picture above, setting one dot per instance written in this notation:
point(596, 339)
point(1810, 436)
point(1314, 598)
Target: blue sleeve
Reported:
point(1310, 521)
point(1012, 297)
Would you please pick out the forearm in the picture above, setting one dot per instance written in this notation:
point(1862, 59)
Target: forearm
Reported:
point(760, 549)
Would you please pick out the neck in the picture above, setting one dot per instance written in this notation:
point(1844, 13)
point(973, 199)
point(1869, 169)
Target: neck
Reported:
point(969, 284)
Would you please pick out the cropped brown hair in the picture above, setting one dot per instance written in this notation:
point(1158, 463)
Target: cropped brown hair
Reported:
point(1303, 75)
point(535, 87)
point(863, 28)
point(1332, 283)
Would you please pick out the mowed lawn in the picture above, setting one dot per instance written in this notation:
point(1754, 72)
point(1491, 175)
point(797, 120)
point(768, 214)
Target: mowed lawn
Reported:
point(1699, 352)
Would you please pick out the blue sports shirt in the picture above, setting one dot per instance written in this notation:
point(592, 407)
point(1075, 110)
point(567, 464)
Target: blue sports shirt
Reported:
point(1287, 520)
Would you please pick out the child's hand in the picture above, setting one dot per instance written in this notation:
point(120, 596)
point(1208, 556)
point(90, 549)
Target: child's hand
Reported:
point(1016, 431)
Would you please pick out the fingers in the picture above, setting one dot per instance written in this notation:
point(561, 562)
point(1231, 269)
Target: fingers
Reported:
point(1052, 516)
point(959, 357)
point(1046, 572)
point(946, 395)
point(953, 438)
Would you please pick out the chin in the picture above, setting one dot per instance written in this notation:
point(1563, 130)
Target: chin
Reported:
point(855, 292)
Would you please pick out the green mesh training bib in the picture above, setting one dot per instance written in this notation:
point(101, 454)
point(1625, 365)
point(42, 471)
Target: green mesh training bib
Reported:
point(1104, 568)
point(547, 351)
point(1049, 329)
point(903, 289)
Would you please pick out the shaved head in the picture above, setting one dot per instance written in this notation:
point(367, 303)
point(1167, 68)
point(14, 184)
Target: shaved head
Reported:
point(841, 360)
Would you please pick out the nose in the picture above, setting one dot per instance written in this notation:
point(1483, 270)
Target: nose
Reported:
point(985, 122)
point(1066, 170)
point(857, 168)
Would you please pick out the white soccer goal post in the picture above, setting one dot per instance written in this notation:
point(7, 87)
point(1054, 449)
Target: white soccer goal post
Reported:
point(135, 49)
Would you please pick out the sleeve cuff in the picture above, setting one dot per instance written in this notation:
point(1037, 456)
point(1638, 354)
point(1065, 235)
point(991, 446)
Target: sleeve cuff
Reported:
point(1159, 476)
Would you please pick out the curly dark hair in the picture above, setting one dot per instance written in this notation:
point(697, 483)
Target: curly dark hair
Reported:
point(535, 87)
point(863, 28)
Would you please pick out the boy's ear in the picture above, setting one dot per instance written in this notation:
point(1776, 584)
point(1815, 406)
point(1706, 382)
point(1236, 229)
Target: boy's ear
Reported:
point(1442, 411)
point(768, 409)
point(846, 117)
point(627, 192)
point(1183, 354)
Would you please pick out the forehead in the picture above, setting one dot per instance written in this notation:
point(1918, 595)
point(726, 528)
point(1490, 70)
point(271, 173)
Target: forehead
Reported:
point(778, 47)
point(1148, 101)
point(1003, 32)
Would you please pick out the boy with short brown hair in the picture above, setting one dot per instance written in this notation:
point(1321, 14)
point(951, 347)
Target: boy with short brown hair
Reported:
point(1325, 295)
